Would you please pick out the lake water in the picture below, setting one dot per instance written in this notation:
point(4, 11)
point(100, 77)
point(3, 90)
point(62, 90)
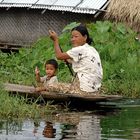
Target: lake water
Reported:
point(119, 123)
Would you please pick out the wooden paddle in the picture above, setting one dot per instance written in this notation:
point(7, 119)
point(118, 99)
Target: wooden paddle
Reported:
point(67, 63)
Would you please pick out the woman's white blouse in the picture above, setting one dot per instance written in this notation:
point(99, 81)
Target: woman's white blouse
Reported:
point(87, 64)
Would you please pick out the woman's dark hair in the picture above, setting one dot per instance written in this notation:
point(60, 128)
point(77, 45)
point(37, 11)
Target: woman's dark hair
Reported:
point(83, 30)
point(52, 62)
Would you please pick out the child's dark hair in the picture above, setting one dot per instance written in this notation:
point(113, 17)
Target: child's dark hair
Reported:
point(52, 62)
point(83, 30)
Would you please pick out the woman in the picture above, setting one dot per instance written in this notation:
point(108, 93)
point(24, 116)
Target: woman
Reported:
point(85, 59)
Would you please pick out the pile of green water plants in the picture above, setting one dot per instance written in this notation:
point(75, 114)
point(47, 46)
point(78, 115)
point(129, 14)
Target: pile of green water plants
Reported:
point(116, 44)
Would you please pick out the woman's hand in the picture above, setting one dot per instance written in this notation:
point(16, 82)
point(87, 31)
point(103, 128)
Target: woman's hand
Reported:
point(53, 35)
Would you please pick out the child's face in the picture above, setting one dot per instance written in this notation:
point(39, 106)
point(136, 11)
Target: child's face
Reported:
point(77, 39)
point(50, 70)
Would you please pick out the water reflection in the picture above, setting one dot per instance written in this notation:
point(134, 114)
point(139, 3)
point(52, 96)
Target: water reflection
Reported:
point(73, 125)
point(89, 128)
point(98, 125)
point(49, 131)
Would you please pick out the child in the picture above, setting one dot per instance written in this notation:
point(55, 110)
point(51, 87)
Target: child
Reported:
point(85, 59)
point(50, 78)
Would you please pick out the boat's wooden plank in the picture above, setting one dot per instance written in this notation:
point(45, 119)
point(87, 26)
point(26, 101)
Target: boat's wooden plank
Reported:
point(19, 88)
point(30, 90)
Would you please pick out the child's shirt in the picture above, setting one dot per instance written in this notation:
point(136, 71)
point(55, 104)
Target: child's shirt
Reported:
point(87, 64)
point(49, 82)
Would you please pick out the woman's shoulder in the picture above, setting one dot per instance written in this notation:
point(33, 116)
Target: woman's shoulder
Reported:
point(80, 48)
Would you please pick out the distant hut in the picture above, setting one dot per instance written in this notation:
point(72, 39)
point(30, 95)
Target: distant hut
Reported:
point(126, 11)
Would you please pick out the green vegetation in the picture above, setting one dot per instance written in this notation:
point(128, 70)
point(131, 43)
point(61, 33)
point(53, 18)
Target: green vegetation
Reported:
point(19, 67)
point(118, 48)
point(15, 106)
point(120, 54)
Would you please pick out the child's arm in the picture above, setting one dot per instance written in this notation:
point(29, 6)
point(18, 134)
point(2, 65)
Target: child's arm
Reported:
point(39, 89)
point(37, 74)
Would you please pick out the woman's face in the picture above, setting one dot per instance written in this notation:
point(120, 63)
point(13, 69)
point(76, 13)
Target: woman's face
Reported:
point(77, 39)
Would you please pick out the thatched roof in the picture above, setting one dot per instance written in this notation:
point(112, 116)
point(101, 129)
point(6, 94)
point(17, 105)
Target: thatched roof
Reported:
point(127, 11)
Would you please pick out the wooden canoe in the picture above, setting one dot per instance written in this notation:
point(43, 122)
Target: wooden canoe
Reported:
point(30, 91)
